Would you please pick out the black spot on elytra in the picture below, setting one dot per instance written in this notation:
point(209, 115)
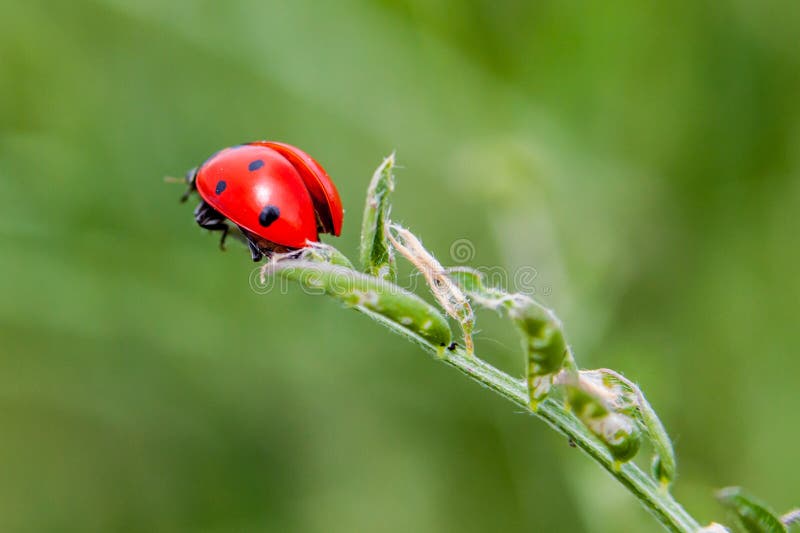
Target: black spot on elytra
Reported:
point(269, 215)
point(255, 165)
point(220, 186)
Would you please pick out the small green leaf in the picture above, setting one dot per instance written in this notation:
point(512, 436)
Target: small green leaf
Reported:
point(377, 256)
point(753, 515)
point(631, 400)
point(542, 336)
point(543, 344)
point(619, 432)
point(392, 306)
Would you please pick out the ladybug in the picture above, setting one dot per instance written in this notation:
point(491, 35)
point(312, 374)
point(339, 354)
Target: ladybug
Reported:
point(278, 197)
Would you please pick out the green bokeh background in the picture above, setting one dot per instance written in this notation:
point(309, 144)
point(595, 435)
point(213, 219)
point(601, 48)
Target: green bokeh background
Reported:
point(643, 157)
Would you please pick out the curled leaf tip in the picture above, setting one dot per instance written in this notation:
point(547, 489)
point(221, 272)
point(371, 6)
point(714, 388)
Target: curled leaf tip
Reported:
point(594, 407)
point(627, 397)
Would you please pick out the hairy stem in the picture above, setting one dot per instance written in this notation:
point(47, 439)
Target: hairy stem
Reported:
point(408, 315)
point(603, 432)
point(656, 500)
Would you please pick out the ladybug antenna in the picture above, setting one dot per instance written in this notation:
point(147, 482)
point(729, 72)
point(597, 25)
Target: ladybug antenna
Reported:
point(187, 192)
point(189, 180)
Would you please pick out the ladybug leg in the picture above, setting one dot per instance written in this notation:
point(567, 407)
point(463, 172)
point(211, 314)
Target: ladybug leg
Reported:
point(208, 218)
point(217, 226)
point(255, 249)
point(224, 228)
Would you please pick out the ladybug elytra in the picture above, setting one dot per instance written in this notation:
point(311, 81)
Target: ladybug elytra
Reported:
point(277, 196)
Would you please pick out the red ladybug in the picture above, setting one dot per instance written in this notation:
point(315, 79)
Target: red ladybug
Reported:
point(276, 194)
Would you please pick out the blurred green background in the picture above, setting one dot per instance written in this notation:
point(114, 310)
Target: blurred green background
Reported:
point(643, 157)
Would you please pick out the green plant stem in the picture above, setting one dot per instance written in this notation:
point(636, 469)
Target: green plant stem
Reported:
point(656, 500)
point(653, 496)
